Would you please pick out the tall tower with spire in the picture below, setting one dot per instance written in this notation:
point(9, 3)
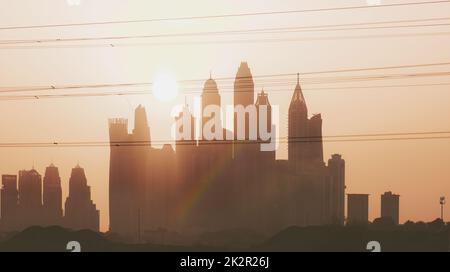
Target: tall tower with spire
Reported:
point(298, 128)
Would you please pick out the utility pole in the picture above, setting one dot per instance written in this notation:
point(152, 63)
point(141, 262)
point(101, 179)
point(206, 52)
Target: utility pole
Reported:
point(139, 226)
point(442, 202)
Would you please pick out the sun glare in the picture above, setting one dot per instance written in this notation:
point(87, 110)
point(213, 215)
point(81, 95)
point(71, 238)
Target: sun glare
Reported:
point(165, 87)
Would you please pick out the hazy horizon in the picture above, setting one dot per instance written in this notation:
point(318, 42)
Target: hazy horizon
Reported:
point(415, 169)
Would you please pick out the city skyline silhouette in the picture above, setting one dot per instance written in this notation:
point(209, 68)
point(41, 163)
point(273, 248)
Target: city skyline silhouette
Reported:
point(356, 134)
point(211, 185)
point(227, 183)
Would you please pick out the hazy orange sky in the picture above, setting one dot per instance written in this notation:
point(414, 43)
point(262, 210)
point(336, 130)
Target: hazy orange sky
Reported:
point(418, 170)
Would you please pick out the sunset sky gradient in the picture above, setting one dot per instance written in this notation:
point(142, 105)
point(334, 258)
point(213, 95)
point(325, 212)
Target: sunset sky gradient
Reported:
point(418, 170)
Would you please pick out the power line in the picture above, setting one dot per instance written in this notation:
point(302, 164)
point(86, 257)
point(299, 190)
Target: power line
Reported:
point(52, 87)
point(212, 33)
point(196, 42)
point(230, 90)
point(221, 16)
point(334, 138)
point(364, 23)
point(267, 85)
point(71, 87)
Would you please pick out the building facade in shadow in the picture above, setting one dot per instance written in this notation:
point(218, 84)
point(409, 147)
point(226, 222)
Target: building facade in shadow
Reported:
point(228, 182)
point(80, 210)
point(52, 197)
point(28, 201)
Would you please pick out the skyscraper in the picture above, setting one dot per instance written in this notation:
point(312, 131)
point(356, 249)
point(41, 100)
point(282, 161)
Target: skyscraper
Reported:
point(336, 167)
point(52, 196)
point(30, 198)
point(9, 202)
point(390, 206)
point(129, 173)
point(80, 210)
point(211, 97)
point(119, 191)
point(212, 155)
point(315, 146)
point(161, 192)
point(244, 87)
point(358, 209)
point(141, 131)
point(186, 187)
point(245, 117)
point(246, 149)
point(185, 147)
point(262, 102)
point(187, 159)
point(298, 129)
point(141, 168)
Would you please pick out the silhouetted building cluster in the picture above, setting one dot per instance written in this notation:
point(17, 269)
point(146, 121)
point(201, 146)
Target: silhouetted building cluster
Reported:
point(208, 185)
point(358, 208)
point(27, 200)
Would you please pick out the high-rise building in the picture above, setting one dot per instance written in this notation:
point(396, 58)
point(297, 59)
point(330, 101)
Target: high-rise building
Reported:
point(119, 191)
point(211, 97)
point(80, 210)
point(298, 129)
point(245, 116)
point(162, 192)
point(9, 202)
point(358, 209)
point(141, 167)
point(185, 146)
point(52, 197)
point(129, 173)
point(30, 198)
point(244, 87)
point(184, 188)
point(187, 159)
point(141, 131)
point(390, 206)
point(336, 168)
point(315, 147)
point(262, 102)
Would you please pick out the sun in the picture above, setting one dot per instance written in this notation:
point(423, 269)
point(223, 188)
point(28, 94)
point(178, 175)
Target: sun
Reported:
point(165, 87)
